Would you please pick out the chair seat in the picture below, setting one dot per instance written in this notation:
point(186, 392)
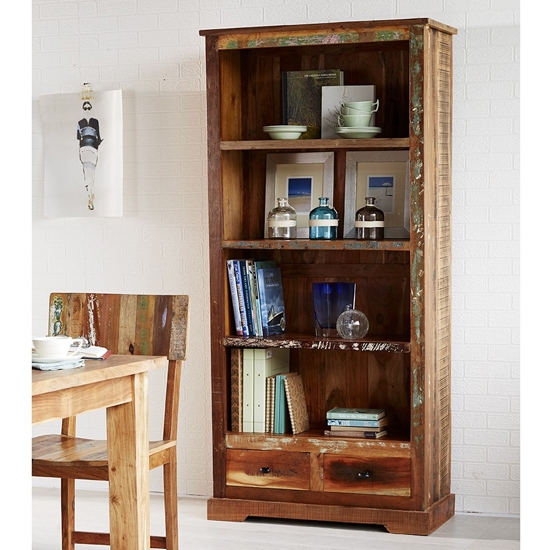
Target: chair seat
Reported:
point(83, 458)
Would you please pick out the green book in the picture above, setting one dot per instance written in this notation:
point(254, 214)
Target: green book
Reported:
point(301, 94)
point(282, 415)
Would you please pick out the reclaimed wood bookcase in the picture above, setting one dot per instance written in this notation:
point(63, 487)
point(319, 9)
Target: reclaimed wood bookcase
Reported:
point(403, 285)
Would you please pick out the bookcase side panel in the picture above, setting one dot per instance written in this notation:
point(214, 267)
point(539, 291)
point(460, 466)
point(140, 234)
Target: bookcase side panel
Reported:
point(430, 264)
point(418, 267)
point(438, 340)
point(218, 294)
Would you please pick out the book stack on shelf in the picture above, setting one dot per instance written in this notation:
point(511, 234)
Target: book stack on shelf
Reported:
point(265, 396)
point(354, 422)
point(257, 297)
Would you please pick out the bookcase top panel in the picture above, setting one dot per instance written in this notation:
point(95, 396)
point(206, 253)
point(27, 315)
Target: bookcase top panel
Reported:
point(320, 34)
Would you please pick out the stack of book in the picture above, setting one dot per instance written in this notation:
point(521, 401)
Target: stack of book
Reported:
point(257, 297)
point(353, 422)
point(265, 396)
point(286, 408)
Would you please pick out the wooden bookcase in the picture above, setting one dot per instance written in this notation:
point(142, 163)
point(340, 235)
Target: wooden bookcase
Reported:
point(403, 285)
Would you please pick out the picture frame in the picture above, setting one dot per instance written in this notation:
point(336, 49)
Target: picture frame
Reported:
point(302, 178)
point(384, 175)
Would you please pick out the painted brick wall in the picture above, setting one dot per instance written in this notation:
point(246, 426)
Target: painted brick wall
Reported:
point(152, 51)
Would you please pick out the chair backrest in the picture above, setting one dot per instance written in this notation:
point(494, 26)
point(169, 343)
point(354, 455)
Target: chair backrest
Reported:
point(129, 324)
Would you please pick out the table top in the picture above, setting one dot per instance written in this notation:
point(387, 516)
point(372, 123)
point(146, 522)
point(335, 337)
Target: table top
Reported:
point(115, 366)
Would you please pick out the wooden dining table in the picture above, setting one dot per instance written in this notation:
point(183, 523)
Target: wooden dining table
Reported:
point(118, 384)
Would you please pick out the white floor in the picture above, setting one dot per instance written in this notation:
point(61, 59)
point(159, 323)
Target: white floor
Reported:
point(465, 531)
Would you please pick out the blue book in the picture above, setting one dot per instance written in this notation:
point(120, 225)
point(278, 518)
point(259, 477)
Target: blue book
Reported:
point(255, 297)
point(234, 298)
point(252, 331)
point(358, 423)
point(240, 295)
point(272, 305)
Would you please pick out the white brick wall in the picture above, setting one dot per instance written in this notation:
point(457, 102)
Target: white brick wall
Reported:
point(151, 49)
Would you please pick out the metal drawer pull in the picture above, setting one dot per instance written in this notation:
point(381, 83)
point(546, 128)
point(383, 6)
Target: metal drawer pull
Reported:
point(265, 470)
point(363, 475)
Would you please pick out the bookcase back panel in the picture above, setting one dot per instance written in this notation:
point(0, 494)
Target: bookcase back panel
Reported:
point(374, 64)
point(381, 290)
point(230, 96)
point(351, 379)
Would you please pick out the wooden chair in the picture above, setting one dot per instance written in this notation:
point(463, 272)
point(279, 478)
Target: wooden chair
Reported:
point(124, 324)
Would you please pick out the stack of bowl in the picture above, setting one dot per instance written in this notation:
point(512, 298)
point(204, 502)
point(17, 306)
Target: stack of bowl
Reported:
point(355, 118)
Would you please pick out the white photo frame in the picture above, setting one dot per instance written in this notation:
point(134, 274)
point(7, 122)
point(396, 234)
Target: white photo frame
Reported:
point(302, 178)
point(385, 176)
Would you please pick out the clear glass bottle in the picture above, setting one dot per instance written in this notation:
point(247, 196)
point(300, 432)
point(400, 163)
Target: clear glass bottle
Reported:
point(369, 222)
point(323, 221)
point(281, 221)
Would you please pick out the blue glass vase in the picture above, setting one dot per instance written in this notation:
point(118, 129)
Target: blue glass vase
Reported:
point(323, 221)
point(330, 299)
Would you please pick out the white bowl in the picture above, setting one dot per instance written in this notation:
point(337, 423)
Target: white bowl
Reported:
point(285, 131)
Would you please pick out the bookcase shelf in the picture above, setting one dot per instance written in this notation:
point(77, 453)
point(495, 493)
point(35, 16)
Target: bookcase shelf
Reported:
point(374, 144)
point(307, 244)
point(301, 341)
point(403, 285)
point(314, 439)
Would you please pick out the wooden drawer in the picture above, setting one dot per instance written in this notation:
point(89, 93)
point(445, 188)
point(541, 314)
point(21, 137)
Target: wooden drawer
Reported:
point(378, 476)
point(269, 469)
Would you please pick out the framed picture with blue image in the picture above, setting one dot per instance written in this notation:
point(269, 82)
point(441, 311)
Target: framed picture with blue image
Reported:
point(302, 178)
point(383, 175)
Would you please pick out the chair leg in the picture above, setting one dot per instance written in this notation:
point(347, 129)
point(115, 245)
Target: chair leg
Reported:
point(67, 513)
point(171, 502)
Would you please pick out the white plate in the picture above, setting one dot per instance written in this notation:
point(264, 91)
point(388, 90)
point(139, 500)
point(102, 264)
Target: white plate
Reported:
point(357, 133)
point(68, 358)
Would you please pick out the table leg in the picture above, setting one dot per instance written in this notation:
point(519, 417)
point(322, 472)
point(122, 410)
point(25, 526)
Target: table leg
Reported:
point(128, 455)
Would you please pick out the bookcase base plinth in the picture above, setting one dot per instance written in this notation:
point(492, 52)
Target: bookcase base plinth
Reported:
point(409, 522)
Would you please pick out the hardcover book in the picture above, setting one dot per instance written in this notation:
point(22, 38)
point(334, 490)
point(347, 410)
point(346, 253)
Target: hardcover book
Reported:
point(234, 298)
point(240, 296)
point(345, 423)
point(354, 429)
point(272, 305)
point(331, 99)
point(254, 296)
point(296, 401)
point(237, 389)
point(355, 413)
point(94, 352)
point(269, 404)
point(359, 434)
point(248, 390)
point(281, 423)
point(267, 362)
point(301, 93)
point(247, 295)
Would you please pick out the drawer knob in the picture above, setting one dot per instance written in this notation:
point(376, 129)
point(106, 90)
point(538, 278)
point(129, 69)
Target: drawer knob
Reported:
point(265, 470)
point(363, 475)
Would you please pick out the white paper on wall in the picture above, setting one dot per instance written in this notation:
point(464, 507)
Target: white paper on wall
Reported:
point(82, 154)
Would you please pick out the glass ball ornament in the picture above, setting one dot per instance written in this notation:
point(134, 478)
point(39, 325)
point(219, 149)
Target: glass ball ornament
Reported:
point(352, 324)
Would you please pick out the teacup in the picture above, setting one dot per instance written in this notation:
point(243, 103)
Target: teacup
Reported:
point(48, 347)
point(354, 121)
point(351, 111)
point(369, 106)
